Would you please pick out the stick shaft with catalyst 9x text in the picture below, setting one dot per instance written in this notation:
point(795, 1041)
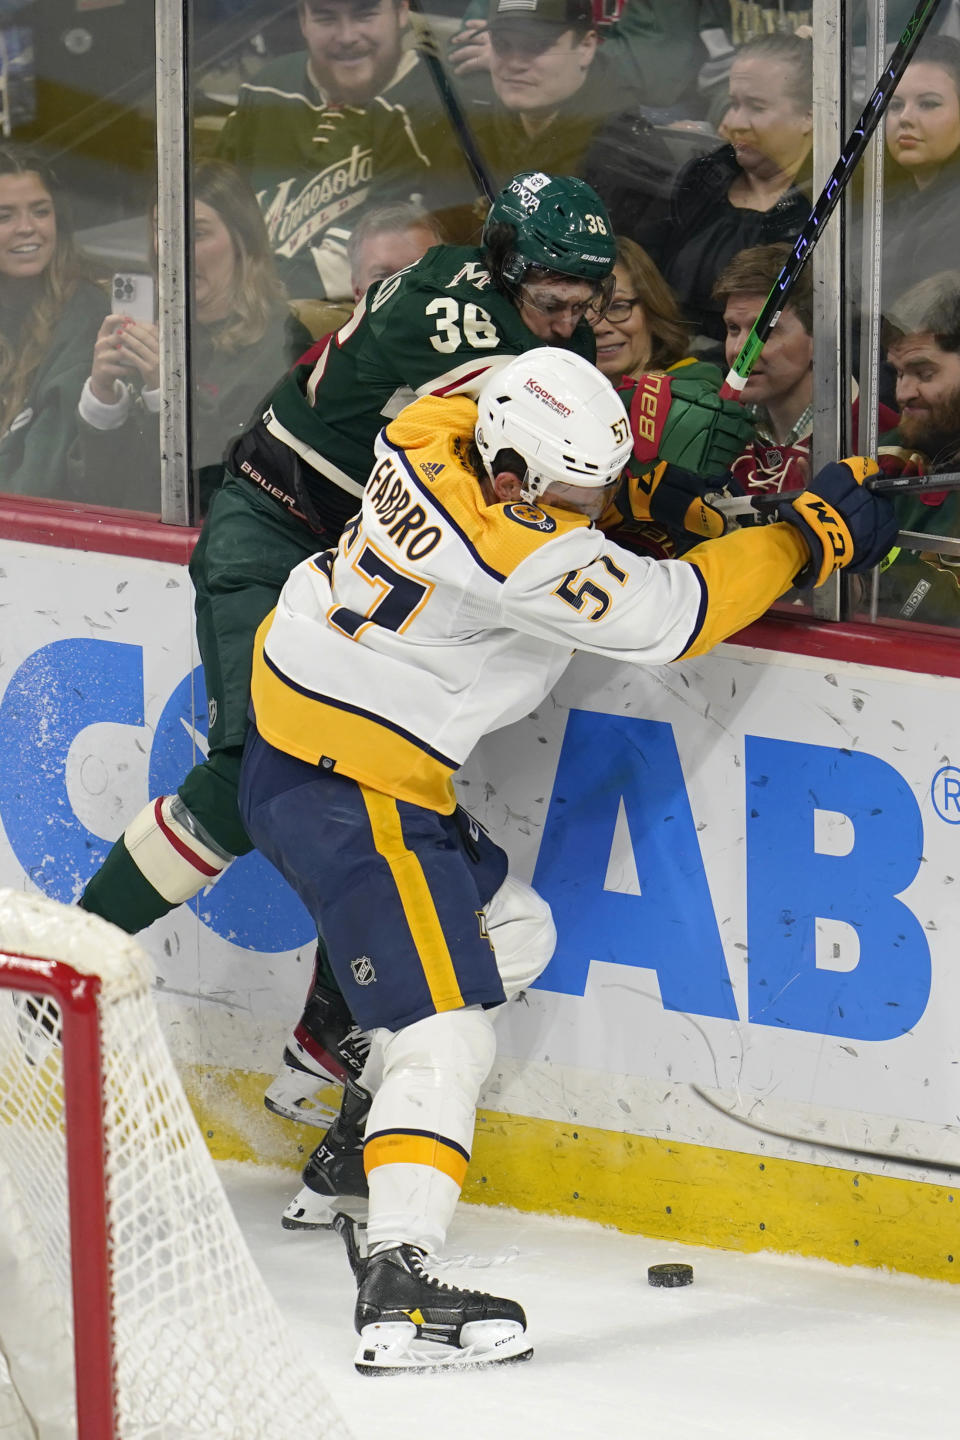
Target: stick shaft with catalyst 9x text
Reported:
point(763, 505)
point(850, 155)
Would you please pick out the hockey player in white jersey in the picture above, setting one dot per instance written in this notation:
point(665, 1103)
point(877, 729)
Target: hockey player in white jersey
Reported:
point(451, 606)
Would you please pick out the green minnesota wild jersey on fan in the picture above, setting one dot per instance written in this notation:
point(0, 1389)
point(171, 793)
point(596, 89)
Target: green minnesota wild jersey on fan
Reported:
point(436, 328)
point(316, 166)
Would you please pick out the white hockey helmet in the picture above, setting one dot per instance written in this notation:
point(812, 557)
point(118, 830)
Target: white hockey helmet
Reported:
point(560, 414)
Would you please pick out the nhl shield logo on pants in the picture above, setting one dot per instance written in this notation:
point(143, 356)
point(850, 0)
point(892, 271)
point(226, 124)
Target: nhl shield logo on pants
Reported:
point(363, 971)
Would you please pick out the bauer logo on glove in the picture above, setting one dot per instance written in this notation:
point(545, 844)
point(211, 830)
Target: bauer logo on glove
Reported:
point(685, 423)
point(648, 415)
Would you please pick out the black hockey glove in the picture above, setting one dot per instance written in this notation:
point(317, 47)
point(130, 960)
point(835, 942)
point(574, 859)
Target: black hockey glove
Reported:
point(673, 498)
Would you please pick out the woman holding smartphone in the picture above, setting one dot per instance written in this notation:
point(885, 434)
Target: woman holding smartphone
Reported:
point(50, 308)
point(244, 336)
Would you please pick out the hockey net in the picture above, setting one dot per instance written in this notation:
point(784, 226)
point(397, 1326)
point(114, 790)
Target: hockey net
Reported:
point(130, 1307)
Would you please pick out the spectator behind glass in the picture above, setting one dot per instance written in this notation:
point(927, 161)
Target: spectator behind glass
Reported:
point(389, 239)
point(922, 131)
point(322, 135)
point(641, 332)
point(551, 87)
point(385, 240)
point(244, 336)
point(779, 392)
point(752, 191)
point(922, 340)
point(642, 328)
point(654, 46)
point(50, 309)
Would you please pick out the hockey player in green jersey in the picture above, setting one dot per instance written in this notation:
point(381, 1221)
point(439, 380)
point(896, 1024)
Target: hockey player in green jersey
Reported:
point(296, 476)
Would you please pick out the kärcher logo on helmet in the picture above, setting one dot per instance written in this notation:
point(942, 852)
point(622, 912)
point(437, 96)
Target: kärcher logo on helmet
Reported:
point(548, 399)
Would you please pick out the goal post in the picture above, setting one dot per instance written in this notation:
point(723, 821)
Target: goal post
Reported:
point(79, 1094)
point(130, 1307)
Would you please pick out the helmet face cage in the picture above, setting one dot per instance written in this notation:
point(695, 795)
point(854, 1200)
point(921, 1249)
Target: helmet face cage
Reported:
point(560, 415)
point(559, 224)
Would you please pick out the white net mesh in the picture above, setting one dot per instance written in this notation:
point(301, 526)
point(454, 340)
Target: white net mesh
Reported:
point(199, 1347)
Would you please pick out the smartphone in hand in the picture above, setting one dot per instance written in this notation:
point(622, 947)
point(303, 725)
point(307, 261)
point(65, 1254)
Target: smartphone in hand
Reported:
point(132, 295)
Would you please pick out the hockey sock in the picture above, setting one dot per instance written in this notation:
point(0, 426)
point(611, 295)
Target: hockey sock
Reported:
point(322, 973)
point(161, 859)
point(122, 894)
point(420, 1126)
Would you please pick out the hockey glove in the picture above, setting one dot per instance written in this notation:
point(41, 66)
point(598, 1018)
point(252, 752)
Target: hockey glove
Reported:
point(674, 499)
point(844, 525)
point(685, 423)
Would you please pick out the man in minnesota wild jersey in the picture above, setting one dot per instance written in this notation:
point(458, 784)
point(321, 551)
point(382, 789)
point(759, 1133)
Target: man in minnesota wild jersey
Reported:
point(297, 475)
point(324, 135)
point(450, 608)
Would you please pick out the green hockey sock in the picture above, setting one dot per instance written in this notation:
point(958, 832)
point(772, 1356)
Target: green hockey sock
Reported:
point(121, 893)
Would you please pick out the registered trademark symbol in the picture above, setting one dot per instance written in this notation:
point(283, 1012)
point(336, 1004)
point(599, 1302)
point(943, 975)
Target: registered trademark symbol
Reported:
point(945, 793)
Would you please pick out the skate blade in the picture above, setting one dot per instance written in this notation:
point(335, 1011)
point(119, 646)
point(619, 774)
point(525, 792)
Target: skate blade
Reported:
point(394, 1348)
point(309, 1099)
point(310, 1211)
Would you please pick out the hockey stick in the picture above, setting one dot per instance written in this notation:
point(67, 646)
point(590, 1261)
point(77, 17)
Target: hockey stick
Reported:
point(857, 142)
point(429, 47)
point(732, 507)
point(913, 1162)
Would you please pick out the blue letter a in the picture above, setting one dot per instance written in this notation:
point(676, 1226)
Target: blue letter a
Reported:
point(613, 765)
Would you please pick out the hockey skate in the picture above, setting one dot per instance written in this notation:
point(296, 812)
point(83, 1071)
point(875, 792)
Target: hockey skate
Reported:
point(321, 1051)
point(409, 1320)
point(334, 1177)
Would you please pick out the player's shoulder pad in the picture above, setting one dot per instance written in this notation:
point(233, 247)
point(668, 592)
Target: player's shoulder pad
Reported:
point(409, 292)
point(521, 529)
point(433, 419)
point(414, 308)
point(462, 270)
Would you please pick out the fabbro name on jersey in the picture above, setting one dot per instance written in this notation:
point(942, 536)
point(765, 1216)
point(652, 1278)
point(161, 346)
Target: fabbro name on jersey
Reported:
point(394, 506)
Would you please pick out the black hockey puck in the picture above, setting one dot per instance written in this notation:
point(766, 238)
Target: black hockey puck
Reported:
point(668, 1277)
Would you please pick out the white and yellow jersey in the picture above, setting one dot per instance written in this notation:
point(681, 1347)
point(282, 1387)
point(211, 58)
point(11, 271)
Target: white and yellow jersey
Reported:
point(440, 617)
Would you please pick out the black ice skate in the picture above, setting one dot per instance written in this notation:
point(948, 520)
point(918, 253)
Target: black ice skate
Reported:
point(323, 1048)
point(333, 1177)
point(410, 1321)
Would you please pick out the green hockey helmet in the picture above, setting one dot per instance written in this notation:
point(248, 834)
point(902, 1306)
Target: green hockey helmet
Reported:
point(559, 223)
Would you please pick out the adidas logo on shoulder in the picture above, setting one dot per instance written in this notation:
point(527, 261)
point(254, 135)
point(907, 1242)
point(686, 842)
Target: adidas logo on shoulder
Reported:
point(432, 469)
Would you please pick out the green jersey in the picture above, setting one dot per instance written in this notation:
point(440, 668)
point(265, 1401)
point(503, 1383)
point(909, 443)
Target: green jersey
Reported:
point(316, 166)
point(436, 328)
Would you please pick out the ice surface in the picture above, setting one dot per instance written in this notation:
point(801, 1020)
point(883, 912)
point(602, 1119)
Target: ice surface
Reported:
point(760, 1347)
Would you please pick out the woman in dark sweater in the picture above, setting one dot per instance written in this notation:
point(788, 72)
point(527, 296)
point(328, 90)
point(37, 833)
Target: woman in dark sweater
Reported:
point(922, 185)
point(754, 189)
point(50, 309)
point(243, 339)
